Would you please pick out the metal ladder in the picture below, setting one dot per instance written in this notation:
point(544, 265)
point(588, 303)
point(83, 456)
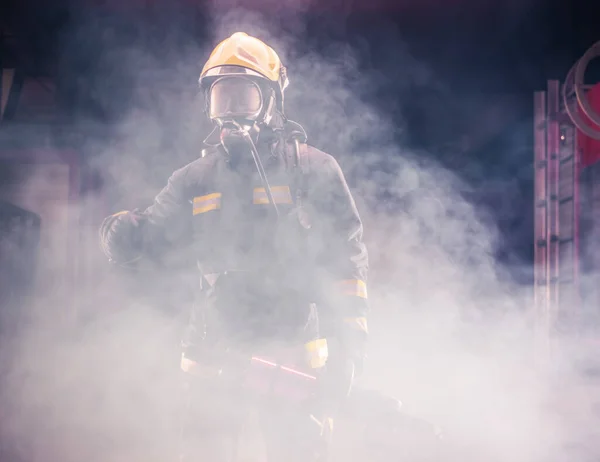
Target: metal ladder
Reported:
point(556, 259)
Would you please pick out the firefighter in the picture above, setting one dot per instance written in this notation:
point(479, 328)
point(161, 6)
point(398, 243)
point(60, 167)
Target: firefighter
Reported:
point(277, 238)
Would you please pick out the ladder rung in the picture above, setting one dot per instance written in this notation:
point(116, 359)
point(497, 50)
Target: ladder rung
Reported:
point(566, 159)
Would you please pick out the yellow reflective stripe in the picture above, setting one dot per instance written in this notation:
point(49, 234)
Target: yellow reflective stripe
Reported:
point(123, 212)
point(354, 287)
point(359, 323)
point(206, 203)
point(189, 366)
point(281, 195)
point(317, 352)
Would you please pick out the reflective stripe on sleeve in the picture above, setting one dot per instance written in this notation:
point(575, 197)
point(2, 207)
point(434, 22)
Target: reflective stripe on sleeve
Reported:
point(206, 203)
point(317, 352)
point(354, 287)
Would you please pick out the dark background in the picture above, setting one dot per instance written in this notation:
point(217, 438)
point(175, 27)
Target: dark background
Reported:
point(475, 53)
point(453, 83)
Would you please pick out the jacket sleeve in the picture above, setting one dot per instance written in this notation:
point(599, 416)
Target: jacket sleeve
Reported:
point(171, 203)
point(162, 223)
point(343, 256)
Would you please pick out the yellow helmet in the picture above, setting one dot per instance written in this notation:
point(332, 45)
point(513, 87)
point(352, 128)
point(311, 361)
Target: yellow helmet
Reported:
point(242, 54)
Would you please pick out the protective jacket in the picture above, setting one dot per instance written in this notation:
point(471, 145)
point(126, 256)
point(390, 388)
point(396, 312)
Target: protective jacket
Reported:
point(275, 266)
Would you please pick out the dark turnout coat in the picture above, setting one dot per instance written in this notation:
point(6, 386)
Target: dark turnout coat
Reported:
point(312, 253)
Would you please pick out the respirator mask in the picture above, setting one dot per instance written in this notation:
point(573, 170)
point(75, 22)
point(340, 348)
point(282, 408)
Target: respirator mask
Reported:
point(239, 108)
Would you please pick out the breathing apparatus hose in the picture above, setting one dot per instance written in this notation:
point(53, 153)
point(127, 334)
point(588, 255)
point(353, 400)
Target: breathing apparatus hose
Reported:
point(259, 166)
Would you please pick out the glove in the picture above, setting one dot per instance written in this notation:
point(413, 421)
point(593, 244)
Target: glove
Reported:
point(352, 334)
point(345, 361)
point(121, 237)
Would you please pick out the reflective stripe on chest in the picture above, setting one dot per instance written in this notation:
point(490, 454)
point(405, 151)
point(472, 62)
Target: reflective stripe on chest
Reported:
point(208, 202)
point(281, 195)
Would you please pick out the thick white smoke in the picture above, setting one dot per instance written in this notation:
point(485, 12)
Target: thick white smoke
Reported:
point(448, 337)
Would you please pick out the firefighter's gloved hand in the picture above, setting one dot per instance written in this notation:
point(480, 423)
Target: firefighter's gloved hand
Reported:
point(344, 363)
point(121, 237)
point(352, 334)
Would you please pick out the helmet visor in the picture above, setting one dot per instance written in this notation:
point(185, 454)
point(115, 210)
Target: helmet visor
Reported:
point(235, 97)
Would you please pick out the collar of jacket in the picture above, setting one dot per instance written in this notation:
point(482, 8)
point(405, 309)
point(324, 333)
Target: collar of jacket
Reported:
point(268, 145)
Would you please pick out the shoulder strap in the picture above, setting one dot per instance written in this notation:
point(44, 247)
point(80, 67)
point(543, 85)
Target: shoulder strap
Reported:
point(303, 159)
point(301, 170)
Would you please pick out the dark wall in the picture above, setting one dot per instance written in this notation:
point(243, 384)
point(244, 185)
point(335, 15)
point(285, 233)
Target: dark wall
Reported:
point(19, 239)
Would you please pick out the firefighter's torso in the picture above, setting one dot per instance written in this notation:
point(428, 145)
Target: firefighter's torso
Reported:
point(236, 227)
point(255, 262)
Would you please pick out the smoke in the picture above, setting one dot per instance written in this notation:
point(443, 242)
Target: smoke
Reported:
point(449, 336)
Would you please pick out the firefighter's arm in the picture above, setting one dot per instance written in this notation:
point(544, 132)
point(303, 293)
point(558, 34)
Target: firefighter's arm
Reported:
point(343, 256)
point(128, 236)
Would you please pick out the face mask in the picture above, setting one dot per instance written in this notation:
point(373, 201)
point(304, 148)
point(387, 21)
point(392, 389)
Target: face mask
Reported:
point(235, 104)
point(235, 99)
